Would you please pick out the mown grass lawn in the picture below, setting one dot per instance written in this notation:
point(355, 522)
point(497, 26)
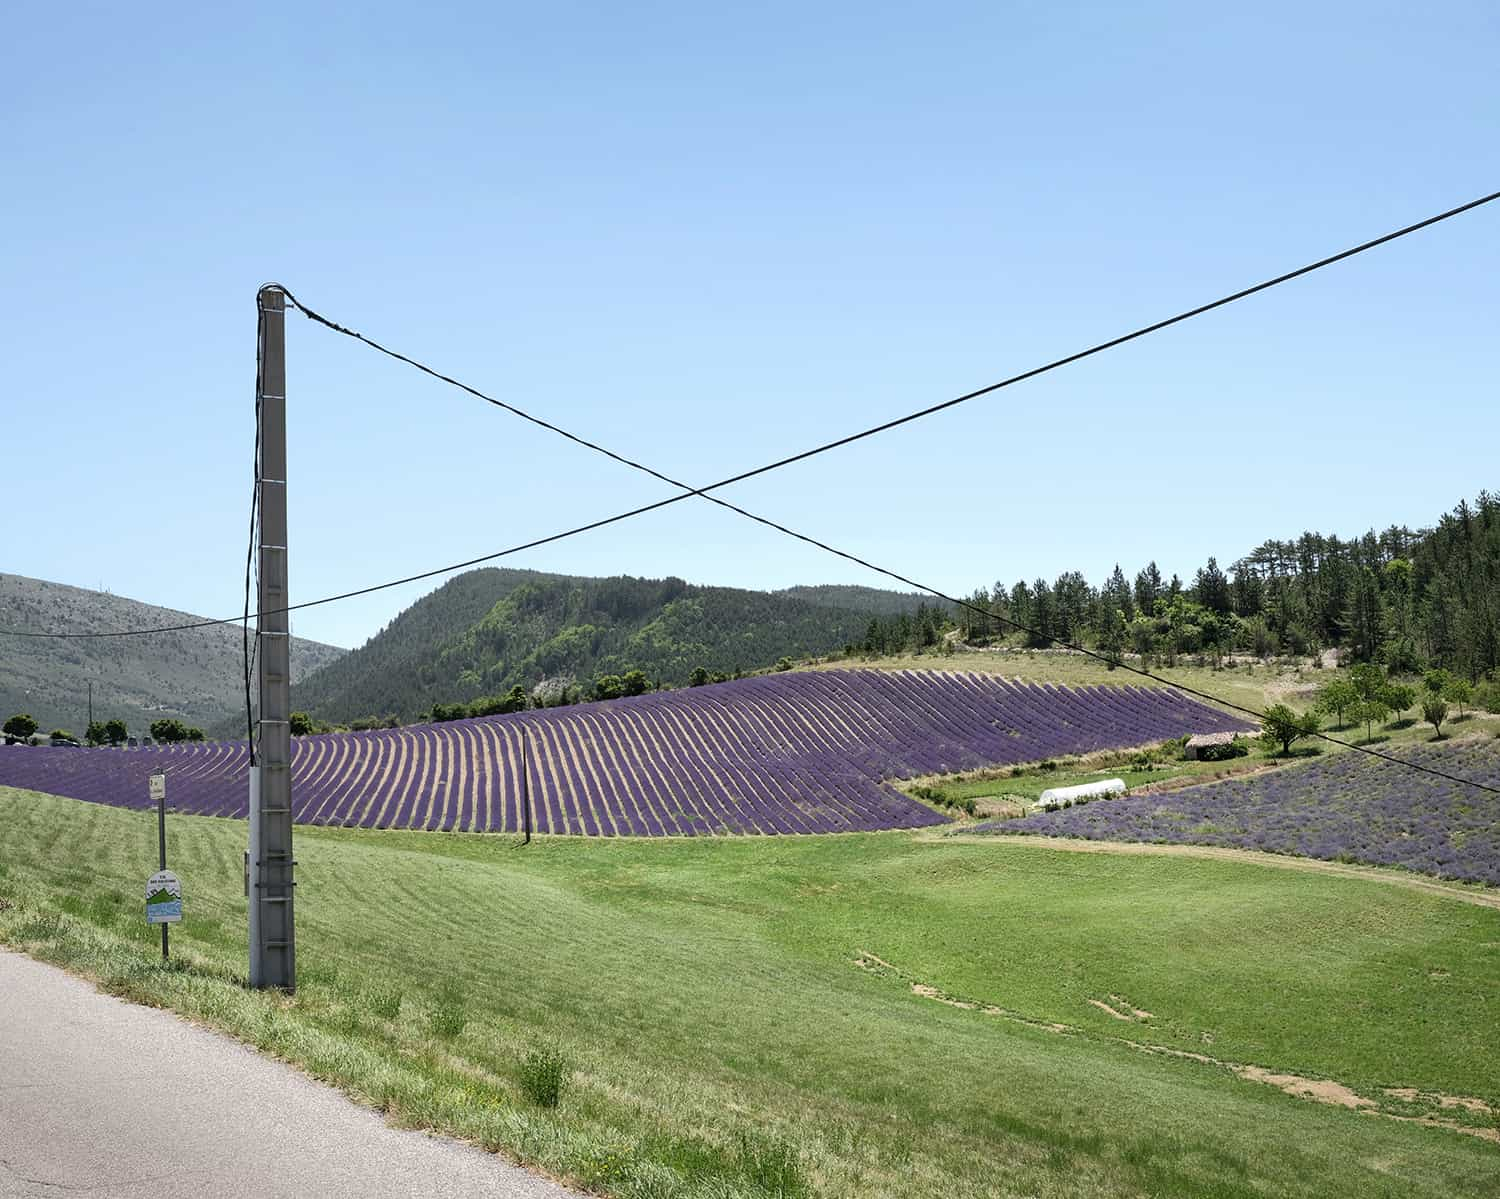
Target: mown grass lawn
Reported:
point(721, 1040)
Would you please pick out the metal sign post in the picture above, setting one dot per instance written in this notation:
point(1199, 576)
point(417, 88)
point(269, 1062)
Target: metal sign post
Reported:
point(273, 961)
point(163, 891)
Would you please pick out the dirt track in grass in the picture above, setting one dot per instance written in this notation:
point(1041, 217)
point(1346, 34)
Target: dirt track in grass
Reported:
point(1316, 1090)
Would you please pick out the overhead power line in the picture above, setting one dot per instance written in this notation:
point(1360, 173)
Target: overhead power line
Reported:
point(687, 490)
point(904, 579)
point(885, 426)
point(690, 491)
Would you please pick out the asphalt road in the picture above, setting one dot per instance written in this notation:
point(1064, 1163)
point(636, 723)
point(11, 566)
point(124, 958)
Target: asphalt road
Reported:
point(102, 1097)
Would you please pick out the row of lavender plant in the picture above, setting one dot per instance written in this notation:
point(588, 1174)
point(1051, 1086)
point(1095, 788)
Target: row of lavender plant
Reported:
point(786, 753)
point(1346, 807)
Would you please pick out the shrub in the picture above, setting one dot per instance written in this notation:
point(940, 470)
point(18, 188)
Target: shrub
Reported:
point(543, 1072)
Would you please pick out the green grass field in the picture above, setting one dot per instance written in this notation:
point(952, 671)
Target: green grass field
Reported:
point(721, 1040)
point(1253, 686)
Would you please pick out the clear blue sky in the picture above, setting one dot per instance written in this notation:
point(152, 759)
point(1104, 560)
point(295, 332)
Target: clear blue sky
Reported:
point(710, 237)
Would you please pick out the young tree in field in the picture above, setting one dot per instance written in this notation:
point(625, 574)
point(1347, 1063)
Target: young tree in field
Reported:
point(95, 734)
point(1281, 724)
point(20, 726)
point(1399, 697)
point(57, 735)
point(1460, 692)
point(1434, 712)
point(194, 734)
point(115, 732)
point(1337, 696)
point(699, 677)
point(301, 724)
point(1370, 712)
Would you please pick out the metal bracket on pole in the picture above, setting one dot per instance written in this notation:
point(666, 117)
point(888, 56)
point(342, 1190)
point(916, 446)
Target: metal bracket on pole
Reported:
point(269, 865)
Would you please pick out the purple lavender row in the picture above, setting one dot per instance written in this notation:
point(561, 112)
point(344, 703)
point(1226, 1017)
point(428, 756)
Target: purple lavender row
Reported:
point(1349, 807)
point(778, 754)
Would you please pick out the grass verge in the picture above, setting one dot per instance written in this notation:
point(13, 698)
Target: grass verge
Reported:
point(714, 1037)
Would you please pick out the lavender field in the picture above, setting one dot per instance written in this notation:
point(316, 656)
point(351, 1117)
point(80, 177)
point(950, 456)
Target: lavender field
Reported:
point(783, 753)
point(1348, 807)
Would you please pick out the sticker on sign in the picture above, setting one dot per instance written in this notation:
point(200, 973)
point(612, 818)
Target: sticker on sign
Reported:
point(163, 898)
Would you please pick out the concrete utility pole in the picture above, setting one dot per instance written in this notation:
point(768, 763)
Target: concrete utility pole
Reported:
point(273, 958)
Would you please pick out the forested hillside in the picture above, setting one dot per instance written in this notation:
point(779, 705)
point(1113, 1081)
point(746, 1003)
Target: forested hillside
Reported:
point(487, 631)
point(195, 676)
point(1406, 598)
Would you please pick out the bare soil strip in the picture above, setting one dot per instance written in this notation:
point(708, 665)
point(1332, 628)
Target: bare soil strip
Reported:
point(1317, 1090)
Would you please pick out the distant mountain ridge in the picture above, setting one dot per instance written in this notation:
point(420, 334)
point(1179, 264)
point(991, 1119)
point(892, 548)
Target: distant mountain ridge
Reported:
point(195, 676)
point(490, 629)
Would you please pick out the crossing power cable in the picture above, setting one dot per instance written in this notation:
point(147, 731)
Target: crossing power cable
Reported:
point(1055, 364)
point(686, 490)
point(1113, 663)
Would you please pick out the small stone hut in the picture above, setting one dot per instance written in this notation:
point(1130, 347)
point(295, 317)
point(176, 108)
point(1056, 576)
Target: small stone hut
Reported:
point(1197, 744)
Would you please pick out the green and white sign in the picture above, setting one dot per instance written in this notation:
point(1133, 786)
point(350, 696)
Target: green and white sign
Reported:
point(163, 898)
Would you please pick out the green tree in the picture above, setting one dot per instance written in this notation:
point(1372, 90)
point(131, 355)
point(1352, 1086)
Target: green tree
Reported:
point(1280, 724)
point(1337, 696)
point(170, 731)
point(1112, 636)
point(634, 682)
point(609, 686)
point(1460, 692)
point(194, 733)
point(20, 726)
point(301, 724)
point(95, 734)
point(115, 732)
point(1370, 712)
point(515, 700)
point(1434, 712)
point(1437, 680)
point(1399, 697)
point(699, 677)
point(61, 735)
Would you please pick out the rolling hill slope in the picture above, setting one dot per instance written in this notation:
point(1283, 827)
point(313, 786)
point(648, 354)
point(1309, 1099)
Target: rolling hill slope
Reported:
point(195, 676)
point(488, 630)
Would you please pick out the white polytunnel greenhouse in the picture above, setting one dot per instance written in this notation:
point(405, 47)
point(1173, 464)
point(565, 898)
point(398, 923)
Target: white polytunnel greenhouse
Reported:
point(1083, 791)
